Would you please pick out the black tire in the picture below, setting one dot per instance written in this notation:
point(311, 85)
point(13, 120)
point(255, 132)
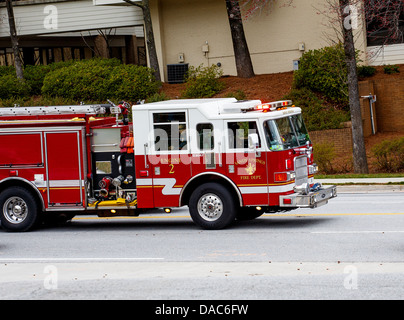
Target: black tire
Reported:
point(212, 206)
point(248, 213)
point(18, 209)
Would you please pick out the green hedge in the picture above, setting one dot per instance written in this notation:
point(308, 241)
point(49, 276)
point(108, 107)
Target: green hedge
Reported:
point(33, 76)
point(390, 155)
point(203, 82)
point(317, 114)
point(324, 71)
point(100, 79)
point(11, 87)
point(86, 80)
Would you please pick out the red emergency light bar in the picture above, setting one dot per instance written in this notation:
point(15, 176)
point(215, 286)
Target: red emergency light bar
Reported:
point(272, 106)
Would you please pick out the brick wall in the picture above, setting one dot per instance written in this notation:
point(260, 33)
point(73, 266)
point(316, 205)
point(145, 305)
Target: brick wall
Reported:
point(341, 139)
point(390, 102)
point(388, 115)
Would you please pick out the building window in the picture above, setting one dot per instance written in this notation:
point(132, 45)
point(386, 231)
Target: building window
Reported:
point(384, 22)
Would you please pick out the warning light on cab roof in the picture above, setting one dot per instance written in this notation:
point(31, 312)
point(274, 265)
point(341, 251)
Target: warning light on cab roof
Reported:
point(272, 106)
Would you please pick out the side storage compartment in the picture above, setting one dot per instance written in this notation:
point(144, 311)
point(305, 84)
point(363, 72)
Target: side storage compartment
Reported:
point(64, 169)
point(113, 165)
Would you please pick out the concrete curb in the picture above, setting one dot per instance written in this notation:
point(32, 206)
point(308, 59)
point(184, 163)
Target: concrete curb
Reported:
point(366, 185)
point(369, 188)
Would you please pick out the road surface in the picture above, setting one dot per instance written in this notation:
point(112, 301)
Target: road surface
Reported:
point(352, 248)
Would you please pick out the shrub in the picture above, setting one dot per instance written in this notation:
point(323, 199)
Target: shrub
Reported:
point(390, 155)
point(35, 75)
point(391, 69)
point(157, 97)
point(316, 113)
point(80, 81)
point(324, 154)
point(36, 101)
point(239, 95)
point(324, 71)
point(131, 82)
point(366, 71)
point(100, 79)
point(7, 70)
point(203, 82)
point(11, 87)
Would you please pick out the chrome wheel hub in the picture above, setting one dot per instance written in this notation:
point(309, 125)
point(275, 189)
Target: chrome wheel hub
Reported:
point(15, 210)
point(210, 207)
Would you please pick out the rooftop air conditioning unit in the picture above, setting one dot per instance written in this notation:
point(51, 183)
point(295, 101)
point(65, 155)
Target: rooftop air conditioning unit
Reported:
point(176, 72)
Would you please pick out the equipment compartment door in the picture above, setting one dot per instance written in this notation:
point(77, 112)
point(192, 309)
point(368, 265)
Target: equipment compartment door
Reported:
point(64, 169)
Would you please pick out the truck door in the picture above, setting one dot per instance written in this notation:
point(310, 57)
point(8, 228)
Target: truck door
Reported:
point(64, 169)
point(167, 157)
point(247, 167)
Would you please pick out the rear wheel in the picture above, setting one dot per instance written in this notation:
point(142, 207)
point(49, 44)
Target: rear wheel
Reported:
point(212, 206)
point(19, 211)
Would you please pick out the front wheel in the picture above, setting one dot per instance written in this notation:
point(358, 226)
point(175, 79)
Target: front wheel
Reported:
point(19, 211)
point(212, 206)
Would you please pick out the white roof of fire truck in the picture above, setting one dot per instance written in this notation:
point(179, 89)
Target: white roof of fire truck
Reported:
point(216, 108)
point(226, 108)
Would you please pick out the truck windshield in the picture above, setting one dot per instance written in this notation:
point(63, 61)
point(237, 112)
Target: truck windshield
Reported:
point(286, 133)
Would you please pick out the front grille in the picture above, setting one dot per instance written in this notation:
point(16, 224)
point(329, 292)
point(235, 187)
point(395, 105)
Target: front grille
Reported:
point(301, 170)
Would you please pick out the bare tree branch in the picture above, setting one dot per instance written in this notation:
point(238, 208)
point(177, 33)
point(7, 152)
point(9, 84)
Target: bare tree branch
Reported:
point(140, 5)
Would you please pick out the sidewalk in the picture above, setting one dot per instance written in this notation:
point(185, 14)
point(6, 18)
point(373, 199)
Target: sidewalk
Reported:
point(366, 185)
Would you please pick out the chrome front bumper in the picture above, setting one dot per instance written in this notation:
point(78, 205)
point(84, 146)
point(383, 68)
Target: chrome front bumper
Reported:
point(312, 199)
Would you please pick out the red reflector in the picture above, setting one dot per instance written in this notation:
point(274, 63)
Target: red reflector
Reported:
point(283, 176)
point(289, 164)
point(13, 173)
point(144, 173)
point(287, 201)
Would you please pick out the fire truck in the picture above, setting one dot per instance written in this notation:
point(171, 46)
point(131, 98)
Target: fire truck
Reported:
point(225, 159)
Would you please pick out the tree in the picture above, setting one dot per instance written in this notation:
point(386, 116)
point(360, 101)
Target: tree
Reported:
point(14, 40)
point(343, 18)
point(254, 7)
point(241, 52)
point(151, 45)
point(359, 150)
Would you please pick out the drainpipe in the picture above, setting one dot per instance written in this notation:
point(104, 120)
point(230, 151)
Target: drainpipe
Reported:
point(372, 99)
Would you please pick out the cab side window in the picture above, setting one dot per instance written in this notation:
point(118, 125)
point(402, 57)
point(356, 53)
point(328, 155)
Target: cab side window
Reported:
point(170, 131)
point(238, 134)
point(205, 138)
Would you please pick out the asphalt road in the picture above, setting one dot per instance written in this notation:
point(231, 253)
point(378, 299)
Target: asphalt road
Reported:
point(352, 248)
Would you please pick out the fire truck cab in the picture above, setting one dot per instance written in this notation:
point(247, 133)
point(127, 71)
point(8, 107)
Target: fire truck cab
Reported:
point(225, 159)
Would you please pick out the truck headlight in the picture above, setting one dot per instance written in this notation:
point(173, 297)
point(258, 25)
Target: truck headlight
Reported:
point(313, 169)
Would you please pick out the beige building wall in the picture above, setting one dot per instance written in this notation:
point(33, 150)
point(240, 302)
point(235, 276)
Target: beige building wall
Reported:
point(275, 37)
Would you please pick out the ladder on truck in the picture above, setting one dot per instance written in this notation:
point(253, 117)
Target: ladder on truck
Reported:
point(90, 109)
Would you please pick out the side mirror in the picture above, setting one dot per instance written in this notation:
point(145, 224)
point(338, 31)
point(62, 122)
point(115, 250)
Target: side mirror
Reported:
point(253, 141)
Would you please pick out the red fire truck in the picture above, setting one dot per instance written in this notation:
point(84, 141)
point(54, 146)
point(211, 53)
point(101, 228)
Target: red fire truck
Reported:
point(225, 159)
